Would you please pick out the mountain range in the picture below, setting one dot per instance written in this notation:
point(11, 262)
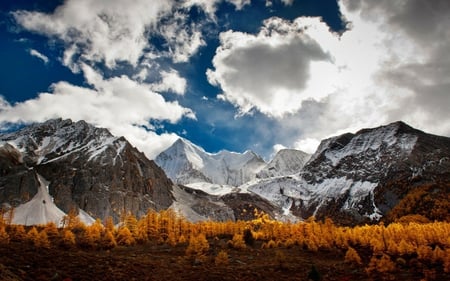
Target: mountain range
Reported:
point(387, 172)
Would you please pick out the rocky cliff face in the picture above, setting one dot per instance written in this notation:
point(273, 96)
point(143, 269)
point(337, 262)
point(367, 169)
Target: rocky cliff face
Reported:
point(362, 177)
point(87, 168)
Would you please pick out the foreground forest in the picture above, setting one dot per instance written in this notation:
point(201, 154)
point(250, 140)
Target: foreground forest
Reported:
point(164, 246)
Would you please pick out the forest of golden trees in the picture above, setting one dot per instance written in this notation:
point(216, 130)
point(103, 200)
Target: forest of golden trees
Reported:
point(379, 248)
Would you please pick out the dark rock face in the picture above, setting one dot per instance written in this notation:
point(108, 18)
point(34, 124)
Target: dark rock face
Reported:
point(87, 168)
point(18, 183)
point(397, 158)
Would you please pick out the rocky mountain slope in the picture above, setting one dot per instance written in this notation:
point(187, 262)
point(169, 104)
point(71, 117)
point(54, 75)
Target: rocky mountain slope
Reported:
point(87, 168)
point(363, 176)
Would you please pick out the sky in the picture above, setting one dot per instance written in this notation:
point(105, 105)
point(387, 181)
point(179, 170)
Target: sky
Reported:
point(239, 75)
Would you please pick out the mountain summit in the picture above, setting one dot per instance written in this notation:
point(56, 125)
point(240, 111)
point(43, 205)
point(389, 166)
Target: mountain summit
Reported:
point(187, 163)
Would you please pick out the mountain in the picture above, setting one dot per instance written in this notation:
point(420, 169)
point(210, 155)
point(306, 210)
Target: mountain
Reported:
point(87, 168)
point(286, 162)
point(363, 176)
point(186, 163)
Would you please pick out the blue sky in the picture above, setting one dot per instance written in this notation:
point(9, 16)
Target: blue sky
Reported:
point(226, 74)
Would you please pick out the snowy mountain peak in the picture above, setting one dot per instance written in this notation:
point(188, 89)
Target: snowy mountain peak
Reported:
point(286, 162)
point(187, 163)
point(395, 138)
point(57, 138)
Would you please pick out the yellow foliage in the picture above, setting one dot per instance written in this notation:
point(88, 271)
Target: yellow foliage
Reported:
point(124, 237)
point(68, 238)
point(108, 241)
point(382, 265)
point(198, 246)
point(4, 237)
point(351, 256)
point(221, 259)
point(237, 242)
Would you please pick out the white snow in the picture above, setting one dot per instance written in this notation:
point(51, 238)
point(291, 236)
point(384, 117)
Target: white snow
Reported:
point(41, 210)
point(373, 140)
point(286, 162)
point(186, 163)
point(280, 190)
point(212, 188)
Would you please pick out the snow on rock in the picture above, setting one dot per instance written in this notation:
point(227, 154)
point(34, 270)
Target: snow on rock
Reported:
point(389, 137)
point(59, 138)
point(41, 209)
point(211, 188)
point(286, 162)
point(186, 163)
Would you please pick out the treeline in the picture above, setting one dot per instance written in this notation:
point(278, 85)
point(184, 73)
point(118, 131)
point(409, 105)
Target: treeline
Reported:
point(381, 249)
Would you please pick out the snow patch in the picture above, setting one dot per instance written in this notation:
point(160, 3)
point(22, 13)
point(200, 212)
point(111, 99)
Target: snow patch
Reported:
point(39, 210)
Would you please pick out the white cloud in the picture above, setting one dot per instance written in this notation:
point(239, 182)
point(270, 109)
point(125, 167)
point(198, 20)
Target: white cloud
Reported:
point(271, 71)
point(39, 55)
point(183, 39)
point(287, 2)
point(99, 31)
point(210, 6)
point(171, 81)
point(119, 104)
point(277, 147)
point(308, 145)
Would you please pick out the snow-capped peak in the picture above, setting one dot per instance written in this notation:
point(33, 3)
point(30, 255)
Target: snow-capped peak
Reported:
point(185, 162)
point(396, 137)
point(57, 138)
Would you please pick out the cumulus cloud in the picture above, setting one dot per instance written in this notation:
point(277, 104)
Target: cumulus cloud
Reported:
point(271, 71)
point(183, 39)
point(119, 104)
point(98, 31)
point(171, 82)
point(39, 55)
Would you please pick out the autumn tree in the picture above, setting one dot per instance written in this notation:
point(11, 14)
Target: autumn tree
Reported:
point(352, 257)
point(4, 237)
point(108, 241)
point(237, 242)
point(198, 246)
point(221, 259)
point(68, 239)
point(124, 237)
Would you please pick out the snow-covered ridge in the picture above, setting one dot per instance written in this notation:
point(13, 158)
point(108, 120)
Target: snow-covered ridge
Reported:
point(286, 162)
point(58, 138)
point(187, 163)
point(384, 137)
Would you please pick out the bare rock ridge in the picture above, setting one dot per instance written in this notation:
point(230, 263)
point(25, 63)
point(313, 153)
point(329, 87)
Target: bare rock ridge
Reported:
point(87, 168)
